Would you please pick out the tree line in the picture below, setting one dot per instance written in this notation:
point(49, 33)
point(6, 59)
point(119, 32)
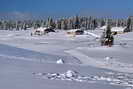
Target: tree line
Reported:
point(76, 22)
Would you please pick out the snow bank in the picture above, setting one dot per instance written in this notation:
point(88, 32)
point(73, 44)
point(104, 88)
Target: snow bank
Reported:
point(60, 61)
point(115, 78)
point(92, 34)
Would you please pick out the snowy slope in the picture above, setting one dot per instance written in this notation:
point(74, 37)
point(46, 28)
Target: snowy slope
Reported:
point(18, 74)
point(120, 54)
point(22, 56)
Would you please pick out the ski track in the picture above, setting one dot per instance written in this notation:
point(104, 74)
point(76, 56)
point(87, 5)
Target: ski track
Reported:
point(18, 58)
point(86, 60)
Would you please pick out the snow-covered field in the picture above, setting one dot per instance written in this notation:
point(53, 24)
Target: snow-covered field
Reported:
point(44, 62)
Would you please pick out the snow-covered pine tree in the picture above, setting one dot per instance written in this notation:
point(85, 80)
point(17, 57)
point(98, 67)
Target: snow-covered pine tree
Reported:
point(129, 25)
point(107, 37)
point(77, 22)
point(58, 24)
point(69, 23)
point(0, 24)
point(102, 23)
point(64, 24)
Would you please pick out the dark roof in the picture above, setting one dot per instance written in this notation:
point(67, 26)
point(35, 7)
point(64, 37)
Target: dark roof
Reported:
point(49, 30)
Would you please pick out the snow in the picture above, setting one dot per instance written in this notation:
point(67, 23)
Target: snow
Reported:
point(96, 57)
point(114, 29)
point(92, 34)
point(60, 61)
point(108, 58)
point(32, 62)
point(70, 73)
point(19, 74)
point(118, 29)
point(103, 27)
point(41, 29)
point(73, 30)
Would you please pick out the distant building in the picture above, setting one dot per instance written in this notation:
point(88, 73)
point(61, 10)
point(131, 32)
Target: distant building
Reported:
point(42, 31)
point(75, 32)
point(118, 30)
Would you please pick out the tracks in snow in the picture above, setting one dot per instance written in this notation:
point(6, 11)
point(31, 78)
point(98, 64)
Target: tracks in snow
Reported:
point(86, 60)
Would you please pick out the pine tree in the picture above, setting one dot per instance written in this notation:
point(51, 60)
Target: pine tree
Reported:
point(95, 24)
point(77, 23)
point(102, 23)
point(108, 31)
point(0, 25)
point(58, 24)
point(128, 29)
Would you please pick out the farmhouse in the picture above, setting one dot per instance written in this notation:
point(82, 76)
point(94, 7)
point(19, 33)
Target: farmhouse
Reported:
point(118, 30)
point(75, 32)
point(114, 30)
point(42, 31)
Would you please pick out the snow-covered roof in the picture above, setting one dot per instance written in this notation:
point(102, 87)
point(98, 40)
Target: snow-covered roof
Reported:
point(120, 29)
point(74, 30)
point(41, 29)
